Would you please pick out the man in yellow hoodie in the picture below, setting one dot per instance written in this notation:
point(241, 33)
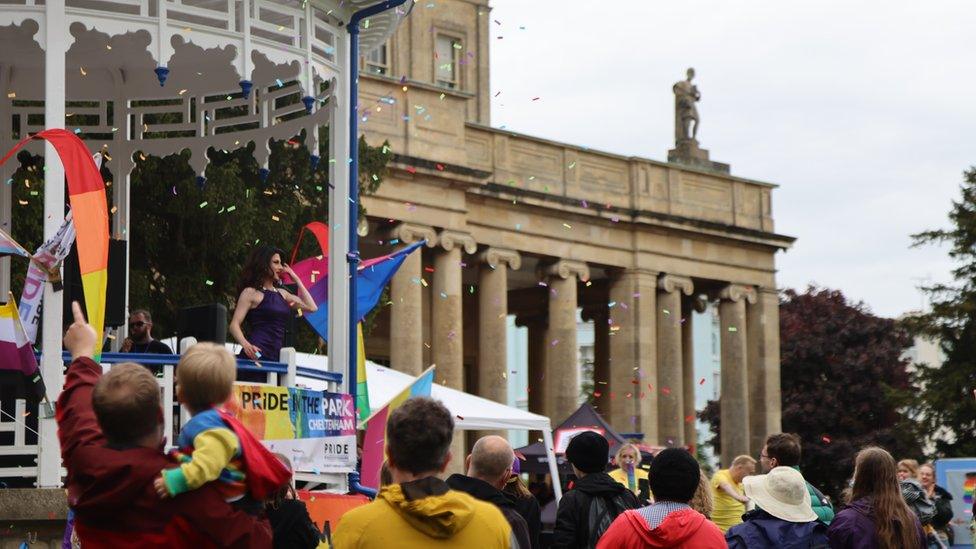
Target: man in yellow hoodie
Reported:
point(418, 509)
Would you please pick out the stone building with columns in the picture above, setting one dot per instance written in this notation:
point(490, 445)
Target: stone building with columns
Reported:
point(522, 226)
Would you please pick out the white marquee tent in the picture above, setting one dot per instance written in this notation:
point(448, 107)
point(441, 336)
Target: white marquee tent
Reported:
point(470, 412)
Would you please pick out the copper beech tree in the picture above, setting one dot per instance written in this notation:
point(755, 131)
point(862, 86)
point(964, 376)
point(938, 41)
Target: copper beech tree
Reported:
point(845, 384)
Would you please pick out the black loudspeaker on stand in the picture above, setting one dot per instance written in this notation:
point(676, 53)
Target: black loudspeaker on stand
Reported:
point(203, 322)
point(115, 290)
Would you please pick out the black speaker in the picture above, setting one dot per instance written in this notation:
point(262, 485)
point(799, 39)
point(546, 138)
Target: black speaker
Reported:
point(203, 322)
point(115, 290)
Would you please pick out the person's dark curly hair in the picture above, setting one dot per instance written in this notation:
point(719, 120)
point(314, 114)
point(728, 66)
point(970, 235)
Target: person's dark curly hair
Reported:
point(418, 435)
point(258, 268)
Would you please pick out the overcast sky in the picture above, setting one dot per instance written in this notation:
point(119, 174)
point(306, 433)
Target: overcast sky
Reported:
point(863, 112)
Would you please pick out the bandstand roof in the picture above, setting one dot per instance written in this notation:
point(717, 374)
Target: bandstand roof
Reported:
point(196, 55)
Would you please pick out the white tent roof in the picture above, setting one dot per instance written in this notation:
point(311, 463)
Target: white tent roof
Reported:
point(470, 412)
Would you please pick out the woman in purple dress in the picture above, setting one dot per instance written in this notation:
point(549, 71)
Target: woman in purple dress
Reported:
point(265, 305)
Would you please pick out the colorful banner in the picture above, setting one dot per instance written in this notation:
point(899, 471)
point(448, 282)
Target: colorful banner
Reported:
point(374, 441)
point(315, 430)
point(45, 266)
point(86, 193)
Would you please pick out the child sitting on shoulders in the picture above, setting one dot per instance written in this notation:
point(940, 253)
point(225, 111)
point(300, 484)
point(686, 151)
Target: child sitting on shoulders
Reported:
point(213, 445)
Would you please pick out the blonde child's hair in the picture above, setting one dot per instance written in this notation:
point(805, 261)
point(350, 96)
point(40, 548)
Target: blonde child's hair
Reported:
point(205, 376)
point(910, 465)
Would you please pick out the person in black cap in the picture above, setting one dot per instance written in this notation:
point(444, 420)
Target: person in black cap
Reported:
point(670, 522)
point(586, 511)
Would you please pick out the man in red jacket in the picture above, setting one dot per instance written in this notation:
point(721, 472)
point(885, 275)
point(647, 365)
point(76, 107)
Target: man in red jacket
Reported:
point(111, 433)
point(669, 521)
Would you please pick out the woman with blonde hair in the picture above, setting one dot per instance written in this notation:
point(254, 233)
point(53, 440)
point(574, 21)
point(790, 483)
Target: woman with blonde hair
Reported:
point(907, 469)
point(877, 515)
point(628, 459)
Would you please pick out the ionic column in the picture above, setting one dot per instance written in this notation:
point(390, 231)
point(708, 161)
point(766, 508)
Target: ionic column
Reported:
point(562, 354)
point(538, 346)
point(633, 353)
point(446, 326)
point(670, 403)
point(735, 379)
point(447, 336)
point(406, 292)
point(492, 313)
point(762, 332)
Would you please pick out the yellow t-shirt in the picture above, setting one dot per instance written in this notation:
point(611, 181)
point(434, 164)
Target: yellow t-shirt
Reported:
point(727, 511)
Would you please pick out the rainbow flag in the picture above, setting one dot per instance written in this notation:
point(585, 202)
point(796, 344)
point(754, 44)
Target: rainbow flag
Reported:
point(15, 349)
point(968, 488)
point(362, 391)
point(89, 207)
point(9, 246)
point(374, 443)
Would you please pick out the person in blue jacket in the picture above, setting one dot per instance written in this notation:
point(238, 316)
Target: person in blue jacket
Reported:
point(782, 519)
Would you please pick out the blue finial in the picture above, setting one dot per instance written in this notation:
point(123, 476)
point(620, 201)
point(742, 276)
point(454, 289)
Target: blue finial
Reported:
point(263, 173)
point(201, 182)
point(246, 86)
point(162, 73)
point(315, 161)
point(309, 101)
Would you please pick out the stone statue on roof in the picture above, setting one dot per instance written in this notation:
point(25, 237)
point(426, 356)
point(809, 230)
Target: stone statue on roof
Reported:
point(686, 95)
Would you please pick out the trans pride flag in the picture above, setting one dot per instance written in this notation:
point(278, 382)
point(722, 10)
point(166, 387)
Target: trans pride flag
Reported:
point(15, 349)
point(8, 246)
point(374, 443)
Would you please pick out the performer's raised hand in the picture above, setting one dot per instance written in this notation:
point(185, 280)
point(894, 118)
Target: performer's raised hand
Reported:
point(80, 338)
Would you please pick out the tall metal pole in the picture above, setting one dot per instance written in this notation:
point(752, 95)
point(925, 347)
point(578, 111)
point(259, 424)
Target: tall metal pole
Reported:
point(55, 48)
point(352, 254)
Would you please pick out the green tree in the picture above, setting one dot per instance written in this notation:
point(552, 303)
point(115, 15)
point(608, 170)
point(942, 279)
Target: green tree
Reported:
point(947, 407)
point(844, 385)
point(188, 241)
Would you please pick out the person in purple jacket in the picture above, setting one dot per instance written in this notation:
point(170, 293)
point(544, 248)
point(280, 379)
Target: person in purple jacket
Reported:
point(877, 516)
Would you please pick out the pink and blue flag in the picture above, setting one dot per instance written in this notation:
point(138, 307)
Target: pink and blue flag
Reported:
point(9, 246)
point(374, 441)
point(373, 275)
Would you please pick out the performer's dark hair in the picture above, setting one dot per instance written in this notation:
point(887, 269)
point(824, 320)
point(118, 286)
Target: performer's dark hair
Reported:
point(258, 268)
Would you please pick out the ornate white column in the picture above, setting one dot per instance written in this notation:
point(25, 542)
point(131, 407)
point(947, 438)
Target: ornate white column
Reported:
point(633, 353)
point(446, 327)
point(492, 313)
point(406, 292)
point(562, 353)
point(52, 367)
point(735, 380)
point(762, 332)
point(670, 400)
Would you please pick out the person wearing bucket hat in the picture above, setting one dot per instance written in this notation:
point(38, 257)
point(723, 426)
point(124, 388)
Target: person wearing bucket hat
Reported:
point(783, 517)
point(586, 511)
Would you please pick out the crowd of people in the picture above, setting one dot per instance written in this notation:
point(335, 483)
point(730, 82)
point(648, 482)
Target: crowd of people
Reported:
point(223, 489)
